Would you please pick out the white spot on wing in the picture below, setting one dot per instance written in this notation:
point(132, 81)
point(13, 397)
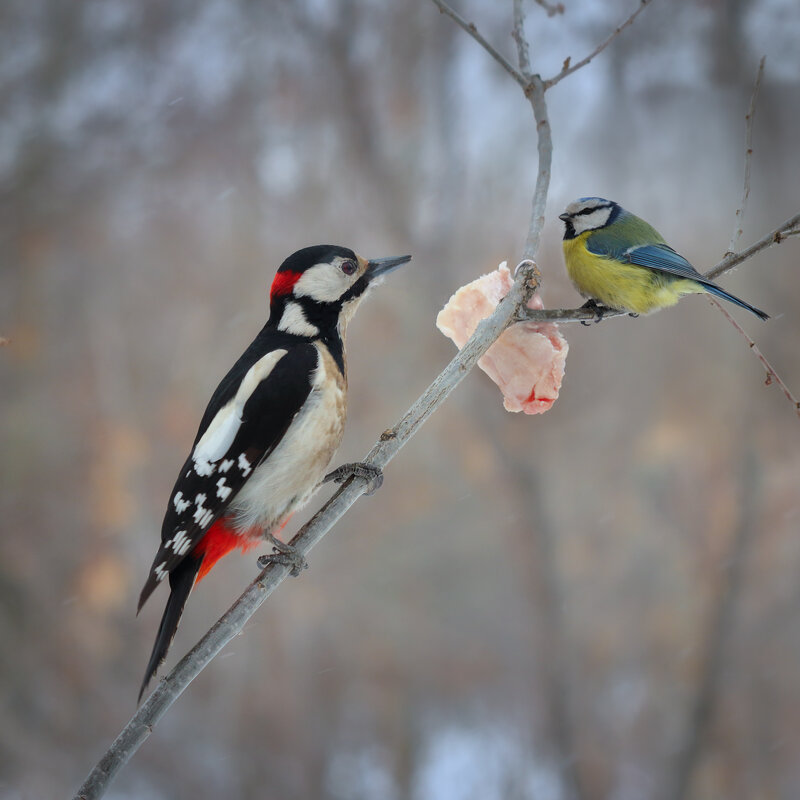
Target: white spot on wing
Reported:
point(203, 467)
point(226, 465)
point(244, 465)
point(161, 571)
point(180, 504)
point(293, 320)
point(223, 491)
point(202, 515)
point(181, 543)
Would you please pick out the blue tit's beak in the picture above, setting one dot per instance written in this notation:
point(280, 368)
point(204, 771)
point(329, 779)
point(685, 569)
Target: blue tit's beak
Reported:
point(382, 266)
point(564, 217)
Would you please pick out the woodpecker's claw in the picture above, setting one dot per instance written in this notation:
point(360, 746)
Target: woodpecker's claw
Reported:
point(599, 310)
point(358, 469)
point(285, 555)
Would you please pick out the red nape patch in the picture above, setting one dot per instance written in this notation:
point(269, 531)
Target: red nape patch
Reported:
point(283, 283)
point(218, 541)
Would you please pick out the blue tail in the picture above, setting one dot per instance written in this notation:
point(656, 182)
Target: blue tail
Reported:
point(714, 289)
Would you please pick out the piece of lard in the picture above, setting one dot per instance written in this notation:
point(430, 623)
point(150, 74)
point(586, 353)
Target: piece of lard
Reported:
point(526, 361)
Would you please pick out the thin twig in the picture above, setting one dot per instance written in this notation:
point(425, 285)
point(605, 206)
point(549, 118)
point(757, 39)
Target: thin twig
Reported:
point(772, 373)
point(544, 148)
point(384, 450)
point(518, 34)
point(551, 8)
point(568, 68)
point(470, 28)
point(748, 157)
point(789, 228)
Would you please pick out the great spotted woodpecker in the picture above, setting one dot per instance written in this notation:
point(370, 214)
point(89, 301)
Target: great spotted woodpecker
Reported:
point(270, 429)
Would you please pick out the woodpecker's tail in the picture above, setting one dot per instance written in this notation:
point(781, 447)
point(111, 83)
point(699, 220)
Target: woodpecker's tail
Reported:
point(181, 580)
point(714, 289)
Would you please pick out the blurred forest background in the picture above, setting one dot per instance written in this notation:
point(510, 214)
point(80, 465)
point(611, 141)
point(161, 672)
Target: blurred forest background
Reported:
point(600, 602)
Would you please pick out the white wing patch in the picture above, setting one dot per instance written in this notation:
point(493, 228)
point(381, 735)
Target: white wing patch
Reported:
point(218, 437)
point(293, 320)
point(244, 465)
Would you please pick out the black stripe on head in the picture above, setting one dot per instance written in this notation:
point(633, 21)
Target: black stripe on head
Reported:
point(316, 254)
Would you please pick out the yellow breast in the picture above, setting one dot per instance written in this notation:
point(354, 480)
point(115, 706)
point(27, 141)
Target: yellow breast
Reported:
point(616, 284)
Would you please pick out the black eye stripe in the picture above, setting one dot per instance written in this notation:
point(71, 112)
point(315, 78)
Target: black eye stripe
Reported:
point(590, 210)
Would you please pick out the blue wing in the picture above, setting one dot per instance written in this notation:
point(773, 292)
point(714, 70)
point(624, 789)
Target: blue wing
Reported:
point(653, 255)
point(661, 258)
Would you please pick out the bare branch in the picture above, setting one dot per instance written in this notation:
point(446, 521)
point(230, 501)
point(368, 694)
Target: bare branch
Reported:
point(569, 69)
point(748, 157)
point(789, 228)
point(518, 33)
point(470, 28)
point(564, 314)
point(772, 374)
point(544, 148)
point(232, 622)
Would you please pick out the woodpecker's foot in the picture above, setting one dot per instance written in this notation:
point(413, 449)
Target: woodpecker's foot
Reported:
point(358, 469)
point(285, 555)
point(599, 310)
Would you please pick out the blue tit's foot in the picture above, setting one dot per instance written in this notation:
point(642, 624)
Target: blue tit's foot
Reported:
point(358, 469)
point(592, 305)
point(285, 555)
point(632, 314)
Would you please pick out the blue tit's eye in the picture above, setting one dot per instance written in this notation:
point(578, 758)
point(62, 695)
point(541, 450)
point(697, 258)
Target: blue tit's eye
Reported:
point(349, 267)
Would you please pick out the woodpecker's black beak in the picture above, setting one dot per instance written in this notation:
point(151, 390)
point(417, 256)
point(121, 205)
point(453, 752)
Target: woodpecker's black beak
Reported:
point(382, 266)
point(564, 217)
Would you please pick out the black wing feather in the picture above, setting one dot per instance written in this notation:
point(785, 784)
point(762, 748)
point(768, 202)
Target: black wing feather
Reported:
point(198, 500)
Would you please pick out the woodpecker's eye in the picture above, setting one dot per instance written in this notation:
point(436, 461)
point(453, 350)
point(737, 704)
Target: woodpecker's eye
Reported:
point(349, 267)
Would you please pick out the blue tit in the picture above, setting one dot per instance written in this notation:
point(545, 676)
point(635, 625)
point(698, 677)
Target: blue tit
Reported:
point(622, 262)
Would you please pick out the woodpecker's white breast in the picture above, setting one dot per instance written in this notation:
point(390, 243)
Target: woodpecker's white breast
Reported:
point(290, 474)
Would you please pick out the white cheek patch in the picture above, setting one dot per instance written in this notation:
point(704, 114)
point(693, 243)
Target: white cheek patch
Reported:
point(589, 222)
point(219, 435)
point(293, 320)
point(323, 282)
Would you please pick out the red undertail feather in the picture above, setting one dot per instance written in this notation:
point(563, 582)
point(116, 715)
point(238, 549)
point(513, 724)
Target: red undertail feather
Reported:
point(218, 541)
